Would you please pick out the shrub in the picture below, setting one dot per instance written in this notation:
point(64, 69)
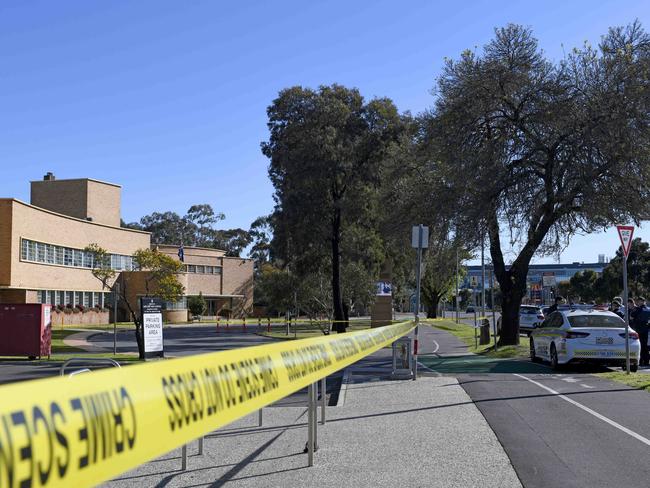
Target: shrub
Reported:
point(69, 305)
point(60, 308)
point(80, 307)
point(94, 309)
point(196, 304)
point(68, 311)
point(76, 310)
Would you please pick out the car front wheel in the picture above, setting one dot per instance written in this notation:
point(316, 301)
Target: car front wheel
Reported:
point(533, 356)
point(555, 364)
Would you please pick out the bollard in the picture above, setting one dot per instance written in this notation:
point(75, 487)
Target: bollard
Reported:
point(259, 324)
point(323, 399)
point(201, 446)
point(244, 324)
point(184, 458)
point(261, 417)
point(268, 324)
point(218, 318)
point(227, 323)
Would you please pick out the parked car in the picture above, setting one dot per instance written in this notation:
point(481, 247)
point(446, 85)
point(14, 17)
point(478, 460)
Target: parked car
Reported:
point(530, 317)
point(470, 310)
point(570, 336)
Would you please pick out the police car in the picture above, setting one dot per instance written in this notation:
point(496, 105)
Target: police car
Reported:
point(572, 335)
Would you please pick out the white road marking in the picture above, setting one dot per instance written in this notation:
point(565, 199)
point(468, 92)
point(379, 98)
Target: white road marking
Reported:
point(420, 365)
point(586, 386)
point(629, 432)
point(570, 380)
point(437, 347)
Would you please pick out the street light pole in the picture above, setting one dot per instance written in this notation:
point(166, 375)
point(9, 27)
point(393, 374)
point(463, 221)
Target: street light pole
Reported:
point(482, 275)
point(627, 316)
point(417, 303)
point(457, 286)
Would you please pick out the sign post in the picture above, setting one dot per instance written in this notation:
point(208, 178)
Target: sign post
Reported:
point(419, 240)
point(625, 233)
point(152, 327)
point(116, 291)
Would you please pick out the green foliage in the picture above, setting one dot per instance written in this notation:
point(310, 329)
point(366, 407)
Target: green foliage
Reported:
point(196, 304)
point(638, 271)
point(195, 228)
point(518, 142)
point(161, 274)
point(101, 269)
point(326, 149)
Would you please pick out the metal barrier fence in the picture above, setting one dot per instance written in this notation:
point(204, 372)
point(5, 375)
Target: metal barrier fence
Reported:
point(80, 431)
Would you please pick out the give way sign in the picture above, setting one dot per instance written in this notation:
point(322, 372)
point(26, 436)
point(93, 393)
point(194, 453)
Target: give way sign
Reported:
point(625, 233)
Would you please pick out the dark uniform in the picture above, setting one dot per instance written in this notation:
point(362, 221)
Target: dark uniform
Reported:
point(639, 318)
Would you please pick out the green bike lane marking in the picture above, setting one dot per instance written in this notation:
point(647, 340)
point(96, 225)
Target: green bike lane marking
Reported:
point(479, 364)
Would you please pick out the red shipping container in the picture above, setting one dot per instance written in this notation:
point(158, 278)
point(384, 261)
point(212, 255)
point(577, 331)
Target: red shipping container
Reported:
point(25, 330)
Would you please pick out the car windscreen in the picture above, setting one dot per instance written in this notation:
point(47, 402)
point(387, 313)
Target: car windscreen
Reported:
point(529, 311)
point(595, 321)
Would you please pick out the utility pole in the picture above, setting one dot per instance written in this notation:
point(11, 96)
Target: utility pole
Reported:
point(116, 290)
point(494, 313)
point(457, 286)
point(483, 275)
point(419, 240)
point(625, 233)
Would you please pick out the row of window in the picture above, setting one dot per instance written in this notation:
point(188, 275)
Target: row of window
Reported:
point(180, 304)
point(86, 298)
point(40, 252)
point(200, 269)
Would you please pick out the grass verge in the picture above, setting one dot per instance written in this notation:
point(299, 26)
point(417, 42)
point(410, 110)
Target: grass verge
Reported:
point(303, 333)
point(635, 380)
point(466, 334)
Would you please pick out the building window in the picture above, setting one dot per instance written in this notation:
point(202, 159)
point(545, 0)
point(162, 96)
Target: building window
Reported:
point(40, 252)
point(65, 256)
point(69, 298)
point(50, 253)
point(192, 268)
point(180, 304)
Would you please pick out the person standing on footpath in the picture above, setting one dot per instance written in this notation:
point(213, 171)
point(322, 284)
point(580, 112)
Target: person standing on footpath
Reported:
point(640, 324)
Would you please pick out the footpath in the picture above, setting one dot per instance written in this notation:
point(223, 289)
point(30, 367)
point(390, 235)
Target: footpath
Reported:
point(384, 433)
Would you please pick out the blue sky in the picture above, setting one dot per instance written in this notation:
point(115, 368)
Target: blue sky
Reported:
point(168, 99)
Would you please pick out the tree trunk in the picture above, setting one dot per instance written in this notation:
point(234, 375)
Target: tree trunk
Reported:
point(140, 340)
point(340, 324)
point(432, 306)
point(139, 337)
point(510, 303)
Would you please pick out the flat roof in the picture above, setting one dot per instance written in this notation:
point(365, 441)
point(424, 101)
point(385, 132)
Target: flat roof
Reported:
point(176, 246)
point(89, 222)
point(77, 179)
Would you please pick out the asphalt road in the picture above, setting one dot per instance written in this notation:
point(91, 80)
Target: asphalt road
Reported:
point(569, 430)
point(179, 341)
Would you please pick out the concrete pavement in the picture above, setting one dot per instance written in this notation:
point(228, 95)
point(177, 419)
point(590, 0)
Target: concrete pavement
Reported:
point(387, 433)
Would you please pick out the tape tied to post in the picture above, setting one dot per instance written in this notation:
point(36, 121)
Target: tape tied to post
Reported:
point(82, 430)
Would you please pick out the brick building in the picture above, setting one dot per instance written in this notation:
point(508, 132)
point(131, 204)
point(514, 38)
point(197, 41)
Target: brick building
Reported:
point(42, 258)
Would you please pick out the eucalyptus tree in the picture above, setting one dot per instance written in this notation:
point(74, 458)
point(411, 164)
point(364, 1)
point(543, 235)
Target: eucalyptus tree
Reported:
point(532, 151)
point(326, 148)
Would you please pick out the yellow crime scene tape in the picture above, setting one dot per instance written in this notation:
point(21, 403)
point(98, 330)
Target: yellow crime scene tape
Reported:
point(82, 430)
